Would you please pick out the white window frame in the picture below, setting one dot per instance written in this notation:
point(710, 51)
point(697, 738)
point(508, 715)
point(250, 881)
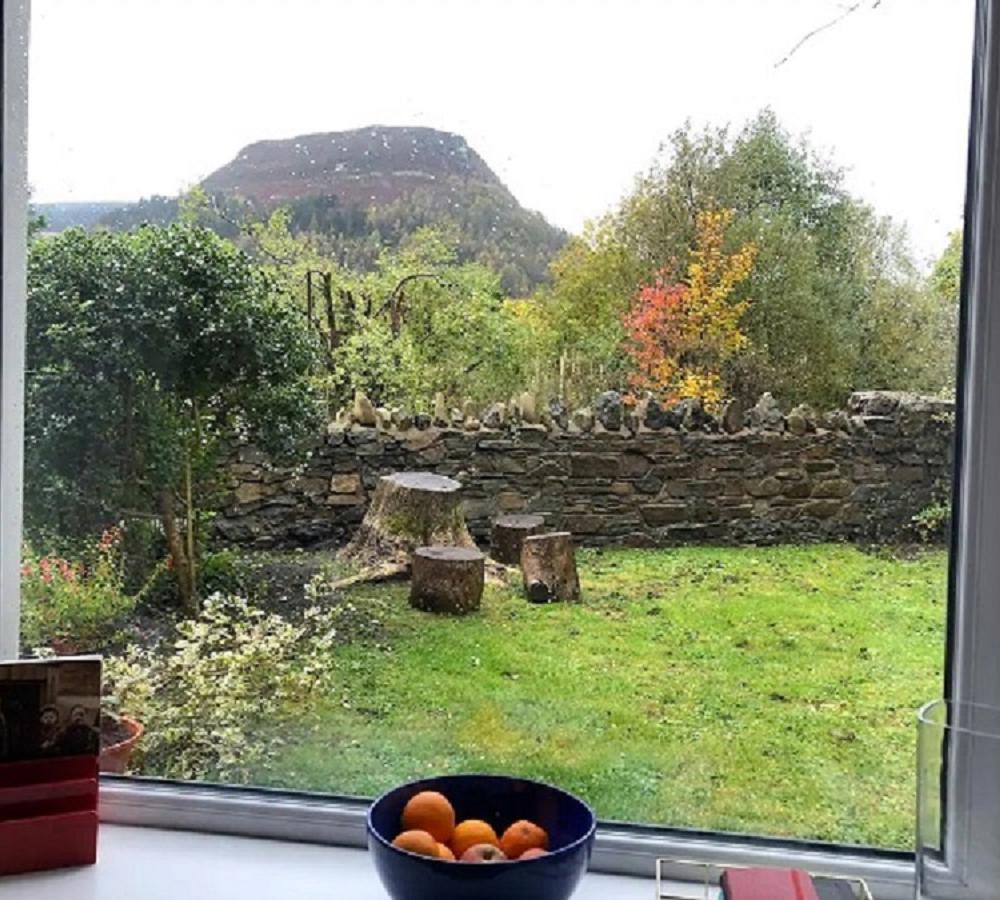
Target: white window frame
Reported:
point(13, 259)
point(974, 621)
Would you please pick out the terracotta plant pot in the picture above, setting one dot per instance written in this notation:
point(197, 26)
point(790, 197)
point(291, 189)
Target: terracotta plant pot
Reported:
point(115, 757)
point(64, 647)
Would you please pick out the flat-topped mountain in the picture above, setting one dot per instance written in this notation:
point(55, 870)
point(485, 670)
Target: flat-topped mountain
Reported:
point(365, 166)
point(369, 188)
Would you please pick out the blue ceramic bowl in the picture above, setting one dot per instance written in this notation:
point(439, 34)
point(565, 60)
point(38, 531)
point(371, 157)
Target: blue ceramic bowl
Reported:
point(500, 801)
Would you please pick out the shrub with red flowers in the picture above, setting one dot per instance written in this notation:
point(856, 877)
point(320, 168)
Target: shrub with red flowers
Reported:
point(75, 604)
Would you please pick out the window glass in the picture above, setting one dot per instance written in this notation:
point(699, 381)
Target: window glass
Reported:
point(313, 285)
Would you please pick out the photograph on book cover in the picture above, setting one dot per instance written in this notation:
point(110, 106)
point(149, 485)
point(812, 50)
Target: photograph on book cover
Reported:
point(50, 708)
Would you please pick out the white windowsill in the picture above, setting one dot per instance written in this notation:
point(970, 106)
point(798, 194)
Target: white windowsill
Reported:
point(155, 864)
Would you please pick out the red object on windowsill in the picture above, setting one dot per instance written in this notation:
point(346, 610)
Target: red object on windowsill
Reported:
point(48, 814)
point(768, 884)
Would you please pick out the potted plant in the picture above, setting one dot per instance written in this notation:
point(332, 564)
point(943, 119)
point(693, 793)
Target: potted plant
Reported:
point(124, 691)
point(119, 736)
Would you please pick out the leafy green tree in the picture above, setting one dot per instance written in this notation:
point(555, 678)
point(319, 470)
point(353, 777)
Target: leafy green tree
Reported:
point(838, 304)
point(145, 352)
point(946, 276)
point(424, 323)
point(945, 289)
point(417, 321)
point(579, 318)
point(489, 226)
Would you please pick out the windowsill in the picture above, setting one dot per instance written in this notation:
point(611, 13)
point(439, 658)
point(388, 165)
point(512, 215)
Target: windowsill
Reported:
point(156, 865)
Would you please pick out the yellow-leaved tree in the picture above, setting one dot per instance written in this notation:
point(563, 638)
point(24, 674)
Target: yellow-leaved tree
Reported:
point(682, 331)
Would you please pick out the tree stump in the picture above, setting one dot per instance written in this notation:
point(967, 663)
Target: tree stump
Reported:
point(409, 510)
point(548, 562)
point(509, 533)
point(447, 579)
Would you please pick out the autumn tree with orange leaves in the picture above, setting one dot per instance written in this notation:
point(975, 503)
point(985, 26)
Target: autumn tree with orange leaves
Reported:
point(681, 331)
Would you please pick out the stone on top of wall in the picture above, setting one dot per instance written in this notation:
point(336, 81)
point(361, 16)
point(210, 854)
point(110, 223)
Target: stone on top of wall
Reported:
point(887, 403)
point(801, 420)
point(494, 416)
point(583, 419)
point(527, 408)
point(608, 410)
point(640, 474)
point(766, 414)
point(440, 415)
point(559, 414)
point(612, 414)
point(656, 417)
point(732, 417)
point(363, 411)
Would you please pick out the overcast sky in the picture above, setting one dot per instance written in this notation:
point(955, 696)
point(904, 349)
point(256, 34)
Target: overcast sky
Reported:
point(565, 99)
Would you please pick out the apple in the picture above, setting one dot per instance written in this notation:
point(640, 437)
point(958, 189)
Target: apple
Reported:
point(483, 853)
point(533, 853)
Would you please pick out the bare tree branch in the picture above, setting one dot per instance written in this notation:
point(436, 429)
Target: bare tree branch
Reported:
point(846, 11)
point(397, 291)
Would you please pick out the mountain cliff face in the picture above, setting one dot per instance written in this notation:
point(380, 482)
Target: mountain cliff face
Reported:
point(370, 188)
point(363, 167)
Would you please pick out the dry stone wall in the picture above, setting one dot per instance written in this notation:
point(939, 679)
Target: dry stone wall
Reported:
point(641, 477)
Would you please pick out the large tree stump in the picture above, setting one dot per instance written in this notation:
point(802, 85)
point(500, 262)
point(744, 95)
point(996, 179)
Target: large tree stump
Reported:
point(409, 510)
point(548, 563)
point(447, 579)
point(509, 533)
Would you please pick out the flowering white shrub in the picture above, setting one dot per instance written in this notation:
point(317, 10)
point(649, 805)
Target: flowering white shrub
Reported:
point(220, 700)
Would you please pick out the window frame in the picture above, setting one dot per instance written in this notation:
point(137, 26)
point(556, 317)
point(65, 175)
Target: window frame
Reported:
point(971, 783)
point(972, 669)
point(13, 265)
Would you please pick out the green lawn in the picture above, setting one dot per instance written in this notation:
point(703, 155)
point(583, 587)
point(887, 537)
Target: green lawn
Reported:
point(766, 690)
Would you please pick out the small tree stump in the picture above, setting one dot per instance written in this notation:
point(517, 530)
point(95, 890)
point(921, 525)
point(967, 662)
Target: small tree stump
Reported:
point(548, 562)
point(509, 533)
point(409, 510)
point(447, 579)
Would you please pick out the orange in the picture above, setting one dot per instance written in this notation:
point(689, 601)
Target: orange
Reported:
point(471, 832)
point(444, 852)
point(417, 842)
point(523, 835)
point(533, 853)
point(431, 812)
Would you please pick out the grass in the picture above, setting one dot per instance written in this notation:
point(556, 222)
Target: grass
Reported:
point(767, 690)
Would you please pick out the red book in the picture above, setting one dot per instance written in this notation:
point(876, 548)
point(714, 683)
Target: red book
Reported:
point(48, 813)
point(49, 742)
point(767, 884)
